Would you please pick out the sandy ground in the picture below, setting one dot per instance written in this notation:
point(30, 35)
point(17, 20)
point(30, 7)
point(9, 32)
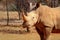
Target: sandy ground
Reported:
point(18, 33)
point(26, 36)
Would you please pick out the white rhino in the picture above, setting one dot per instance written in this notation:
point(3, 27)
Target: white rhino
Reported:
point(47, 16)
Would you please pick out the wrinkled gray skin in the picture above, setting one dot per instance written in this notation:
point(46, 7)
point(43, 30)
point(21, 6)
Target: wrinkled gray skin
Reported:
point(24, 7)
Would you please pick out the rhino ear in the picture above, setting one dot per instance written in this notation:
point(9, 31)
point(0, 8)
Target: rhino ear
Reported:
point(36, 6)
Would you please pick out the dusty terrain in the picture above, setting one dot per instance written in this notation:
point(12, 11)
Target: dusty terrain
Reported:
point(26, 36)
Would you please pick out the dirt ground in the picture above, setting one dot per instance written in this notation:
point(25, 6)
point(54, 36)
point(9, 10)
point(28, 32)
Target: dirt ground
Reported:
point(17, 33)
point(26, 36)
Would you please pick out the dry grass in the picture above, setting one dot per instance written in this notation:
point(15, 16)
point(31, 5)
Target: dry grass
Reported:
point(13, 16)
